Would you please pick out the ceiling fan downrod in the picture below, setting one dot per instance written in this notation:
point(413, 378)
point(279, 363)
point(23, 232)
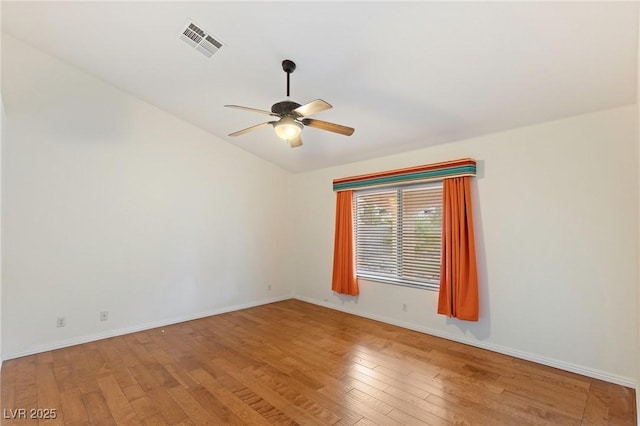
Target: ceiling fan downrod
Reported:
point(288, 66)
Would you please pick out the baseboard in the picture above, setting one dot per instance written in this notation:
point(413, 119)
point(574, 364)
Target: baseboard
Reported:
point(147, 326)
point(589, 372)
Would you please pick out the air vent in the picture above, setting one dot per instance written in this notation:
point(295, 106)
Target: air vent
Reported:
point(196, 37)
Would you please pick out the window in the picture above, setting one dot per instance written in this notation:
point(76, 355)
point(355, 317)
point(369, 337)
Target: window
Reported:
point(398, 232)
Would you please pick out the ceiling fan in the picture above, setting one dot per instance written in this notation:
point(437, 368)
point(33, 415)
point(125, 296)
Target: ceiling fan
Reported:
point(293, 116)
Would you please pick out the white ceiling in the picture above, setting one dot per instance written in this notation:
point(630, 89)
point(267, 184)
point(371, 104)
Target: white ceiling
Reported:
point(405, 75)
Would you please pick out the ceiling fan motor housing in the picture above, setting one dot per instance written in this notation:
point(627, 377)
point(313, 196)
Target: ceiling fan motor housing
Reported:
point(284, 108)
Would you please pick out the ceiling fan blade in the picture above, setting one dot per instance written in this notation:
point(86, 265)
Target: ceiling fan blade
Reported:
point(294, 143)
point(325, 125)
point(312, 107)
point(261, 111)
point(248, 129)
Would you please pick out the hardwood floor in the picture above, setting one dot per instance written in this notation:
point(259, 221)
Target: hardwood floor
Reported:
point(296, 363)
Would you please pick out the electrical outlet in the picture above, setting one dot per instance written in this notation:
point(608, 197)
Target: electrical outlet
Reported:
point(61, 322)
point(404, 307)
point(104, 315)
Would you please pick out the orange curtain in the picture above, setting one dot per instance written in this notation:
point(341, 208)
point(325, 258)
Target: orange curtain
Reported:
point(458, 296)
point(344, 270)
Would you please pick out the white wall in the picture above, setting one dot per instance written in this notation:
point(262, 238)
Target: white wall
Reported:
point(638, 142)
point(110, 204)
point(556, 215)
point(638, 308)
point(2, 137)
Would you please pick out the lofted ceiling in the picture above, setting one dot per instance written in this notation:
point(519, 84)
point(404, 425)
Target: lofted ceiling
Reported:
point(405, 75)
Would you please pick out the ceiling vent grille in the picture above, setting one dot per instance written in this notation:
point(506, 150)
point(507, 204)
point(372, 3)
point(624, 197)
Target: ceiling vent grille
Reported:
point(196, 37)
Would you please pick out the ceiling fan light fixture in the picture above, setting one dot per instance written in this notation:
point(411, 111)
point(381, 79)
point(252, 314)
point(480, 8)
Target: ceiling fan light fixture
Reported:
point(287, 128)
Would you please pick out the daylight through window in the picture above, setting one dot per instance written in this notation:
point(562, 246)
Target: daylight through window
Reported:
point(398, 232)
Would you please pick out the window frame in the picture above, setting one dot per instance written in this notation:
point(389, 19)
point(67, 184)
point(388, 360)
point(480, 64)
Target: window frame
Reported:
point(398, 280)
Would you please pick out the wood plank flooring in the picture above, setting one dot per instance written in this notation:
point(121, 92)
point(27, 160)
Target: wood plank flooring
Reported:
point(296, 363)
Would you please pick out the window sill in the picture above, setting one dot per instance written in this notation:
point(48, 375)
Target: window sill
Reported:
point(431, 287)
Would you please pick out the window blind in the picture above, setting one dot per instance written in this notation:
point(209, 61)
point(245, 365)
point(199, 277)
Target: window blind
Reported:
point(398, 232)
